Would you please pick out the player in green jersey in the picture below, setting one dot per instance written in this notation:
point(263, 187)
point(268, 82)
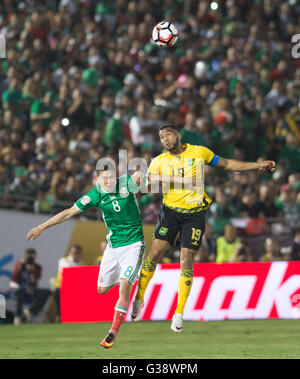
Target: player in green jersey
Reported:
point(125, 250)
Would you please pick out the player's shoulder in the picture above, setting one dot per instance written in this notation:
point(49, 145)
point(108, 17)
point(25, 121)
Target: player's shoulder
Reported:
point(95, 191)
point(197, 148)
point(93, 195)
point(160, 157)
point(204, 153)
point(123, 180)
point(63, 261)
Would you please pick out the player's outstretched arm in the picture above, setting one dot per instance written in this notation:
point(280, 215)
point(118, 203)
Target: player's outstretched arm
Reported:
point(57, 219)
point(137, 178)
point(235, 165)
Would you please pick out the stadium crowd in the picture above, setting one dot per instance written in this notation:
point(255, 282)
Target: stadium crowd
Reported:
point(82, 79)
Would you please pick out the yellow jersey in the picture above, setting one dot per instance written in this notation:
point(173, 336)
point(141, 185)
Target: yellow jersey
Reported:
point(187, 164)
point(226, 251)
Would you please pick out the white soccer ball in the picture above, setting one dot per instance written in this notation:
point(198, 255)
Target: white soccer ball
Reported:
point(165, 34)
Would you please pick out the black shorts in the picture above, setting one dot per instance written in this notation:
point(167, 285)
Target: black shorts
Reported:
point(190, 226)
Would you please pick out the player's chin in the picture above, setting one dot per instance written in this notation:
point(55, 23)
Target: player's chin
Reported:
point(110, 189)
point(170, 148)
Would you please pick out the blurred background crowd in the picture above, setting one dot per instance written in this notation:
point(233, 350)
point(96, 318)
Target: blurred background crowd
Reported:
point(82, 79)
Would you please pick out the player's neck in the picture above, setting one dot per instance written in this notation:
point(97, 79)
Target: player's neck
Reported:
point(179, 150)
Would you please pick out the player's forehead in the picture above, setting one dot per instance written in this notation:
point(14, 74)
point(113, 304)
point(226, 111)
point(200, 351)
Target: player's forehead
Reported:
point(107, 174)
point(30, 252)
point(167, 130)
point(75, 250)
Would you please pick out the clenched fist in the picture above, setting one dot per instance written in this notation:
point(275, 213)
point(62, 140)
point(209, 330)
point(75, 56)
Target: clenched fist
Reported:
point(266, 166)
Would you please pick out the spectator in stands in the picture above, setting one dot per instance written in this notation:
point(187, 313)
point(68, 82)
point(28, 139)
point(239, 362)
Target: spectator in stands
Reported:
point(234, 190)
point(25, 277)
point(295, 253)
point(151, 211)
point(189, 133)
point(141, 127)
point(72, 259)
point(113, 136)
point(287, 204)
point(228, 245)
point(12, 97)
point(250, 207)
point(130, 83)
point(276, 96)
point(41, 110)
point(80, 111)
point(266, 204)
point(272, 251)
point(221, 211)
point(243, 252)
point(290, 152)
point(105, 111)
point(23, 188)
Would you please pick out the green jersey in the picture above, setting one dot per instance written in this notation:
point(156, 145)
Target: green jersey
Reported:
point(120, 211)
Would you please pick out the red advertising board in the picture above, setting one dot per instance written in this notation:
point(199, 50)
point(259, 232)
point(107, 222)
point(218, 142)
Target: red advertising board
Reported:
point(220, 291)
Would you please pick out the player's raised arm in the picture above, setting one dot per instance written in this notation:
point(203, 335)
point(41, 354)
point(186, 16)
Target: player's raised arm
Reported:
point(235, 165)
point(137, 178)
point(57, 219)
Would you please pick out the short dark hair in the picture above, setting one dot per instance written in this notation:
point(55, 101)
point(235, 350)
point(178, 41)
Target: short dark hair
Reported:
point(76, 246)
point(30, 250)
point(164, 126)
point(105, 168)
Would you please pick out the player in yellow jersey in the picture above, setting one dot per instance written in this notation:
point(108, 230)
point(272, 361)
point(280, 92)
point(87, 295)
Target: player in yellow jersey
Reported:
point(183, 210)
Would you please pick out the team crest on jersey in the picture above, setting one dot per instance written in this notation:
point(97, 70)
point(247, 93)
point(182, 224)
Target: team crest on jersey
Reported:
point(124, 192)
point(163, 231)
point(190, 161)
point(85, 200)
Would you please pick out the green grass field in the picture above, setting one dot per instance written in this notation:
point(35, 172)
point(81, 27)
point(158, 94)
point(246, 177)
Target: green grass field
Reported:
point(225, 339)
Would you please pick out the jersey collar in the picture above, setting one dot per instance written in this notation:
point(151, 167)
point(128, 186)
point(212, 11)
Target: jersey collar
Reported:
point(102, 192)
point(178, 155)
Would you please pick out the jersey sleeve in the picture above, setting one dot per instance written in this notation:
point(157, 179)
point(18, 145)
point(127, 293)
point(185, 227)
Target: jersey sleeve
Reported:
point(91, 199)
point(127, 181)
point(133, 187)
point(209, 157)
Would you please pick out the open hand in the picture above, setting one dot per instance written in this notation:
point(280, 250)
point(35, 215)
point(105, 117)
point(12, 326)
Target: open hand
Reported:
point(34, 233)
point(137, 177)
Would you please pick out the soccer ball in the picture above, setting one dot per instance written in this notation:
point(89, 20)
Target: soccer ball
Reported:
point(165, 34)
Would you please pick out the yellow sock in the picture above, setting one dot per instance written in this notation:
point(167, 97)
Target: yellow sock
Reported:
point(147, 272)
point(184, 289)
